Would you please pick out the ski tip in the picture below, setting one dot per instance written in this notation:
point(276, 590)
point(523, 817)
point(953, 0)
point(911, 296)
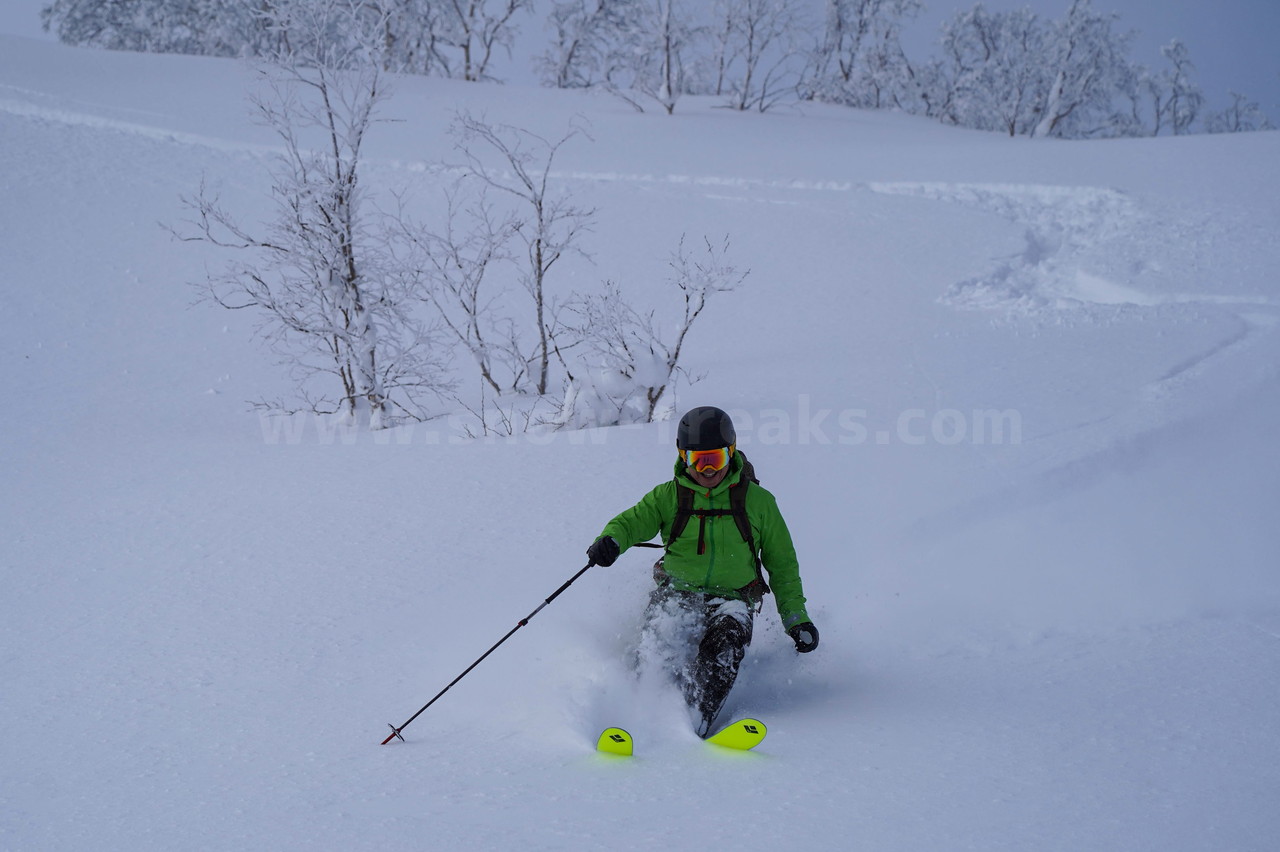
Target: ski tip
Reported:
point(743, 735)
point(615, 741)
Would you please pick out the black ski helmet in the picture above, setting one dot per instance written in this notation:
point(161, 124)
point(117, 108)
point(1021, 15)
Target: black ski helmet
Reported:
point(705, 428)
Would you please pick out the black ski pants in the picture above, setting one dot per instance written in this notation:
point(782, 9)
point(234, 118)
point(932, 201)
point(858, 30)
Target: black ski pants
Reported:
point(721, 629)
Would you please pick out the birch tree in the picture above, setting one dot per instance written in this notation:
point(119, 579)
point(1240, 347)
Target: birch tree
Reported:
point(1084, 58)
point(547, 222)
point(1242, 116)
point(639, 50)
point(585, 47)
point(858, 60)
point(991, 70)
point(473, 29)
point(329, 300)
point(632, 360)
point(453, 268)
point(1184, 99)
point(209, 27)
point(662, 75)
point(757, 51)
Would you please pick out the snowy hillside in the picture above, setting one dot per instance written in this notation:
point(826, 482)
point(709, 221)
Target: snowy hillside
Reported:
point(1018, 401)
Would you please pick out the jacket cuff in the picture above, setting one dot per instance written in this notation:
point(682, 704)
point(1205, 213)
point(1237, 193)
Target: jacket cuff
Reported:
point(791, 619)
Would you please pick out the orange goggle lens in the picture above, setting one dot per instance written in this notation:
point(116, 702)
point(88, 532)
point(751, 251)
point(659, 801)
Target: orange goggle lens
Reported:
point(707, 460)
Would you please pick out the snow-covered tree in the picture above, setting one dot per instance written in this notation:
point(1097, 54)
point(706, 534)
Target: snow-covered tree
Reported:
point(990, 76)
point(1171, 96)
point(1184, 98)
point(1149, 89)
point(859, 60)
point(755, 55)
point(452, 38)
point(631, 362)
point(663, 44)
point(471, 30)
point(586, 40)
point(547, 221)
point(452, 270)
point(212, 27)
point(1242, 116)
point(640, 50)
point(1013, 72)
point(637, 49)
point(331, 302)
point(413, 37)
point(721, 39)
point(1086, 60)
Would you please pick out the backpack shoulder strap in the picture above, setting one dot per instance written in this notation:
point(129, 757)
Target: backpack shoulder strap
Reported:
point(684, 511)
point(738, 505)
point(738, 508)
point(738, 501)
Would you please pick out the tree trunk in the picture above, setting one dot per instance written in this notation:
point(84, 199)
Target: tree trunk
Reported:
point(1052, 107)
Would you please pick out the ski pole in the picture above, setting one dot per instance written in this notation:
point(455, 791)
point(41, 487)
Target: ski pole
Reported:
point(395, 732)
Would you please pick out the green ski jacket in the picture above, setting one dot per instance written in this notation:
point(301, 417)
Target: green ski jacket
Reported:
point(726, 565)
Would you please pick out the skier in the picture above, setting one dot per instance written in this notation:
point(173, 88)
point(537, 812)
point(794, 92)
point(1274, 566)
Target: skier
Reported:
point(719, 529)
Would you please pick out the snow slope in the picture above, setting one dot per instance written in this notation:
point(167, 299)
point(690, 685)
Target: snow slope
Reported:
point(1017, 400)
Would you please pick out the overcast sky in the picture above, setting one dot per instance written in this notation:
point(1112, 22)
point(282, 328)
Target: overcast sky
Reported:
point(1235, 44)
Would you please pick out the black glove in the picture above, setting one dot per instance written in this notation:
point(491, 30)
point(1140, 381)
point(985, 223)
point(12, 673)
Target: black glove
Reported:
point(805, 635)
point(603, 551)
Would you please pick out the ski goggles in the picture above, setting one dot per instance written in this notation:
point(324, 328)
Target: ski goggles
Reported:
point(704, 461)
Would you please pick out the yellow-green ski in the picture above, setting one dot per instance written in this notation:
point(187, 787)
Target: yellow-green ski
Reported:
point(743, 734)
point(615, 741)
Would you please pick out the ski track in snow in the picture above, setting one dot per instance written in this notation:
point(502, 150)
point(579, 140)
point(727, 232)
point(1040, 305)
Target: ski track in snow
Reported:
point(1065, 227)
point(65, 114)
point(1068, 229)
point(1062, 224)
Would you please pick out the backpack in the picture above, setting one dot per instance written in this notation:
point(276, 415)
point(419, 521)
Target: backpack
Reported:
point(737, 509)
